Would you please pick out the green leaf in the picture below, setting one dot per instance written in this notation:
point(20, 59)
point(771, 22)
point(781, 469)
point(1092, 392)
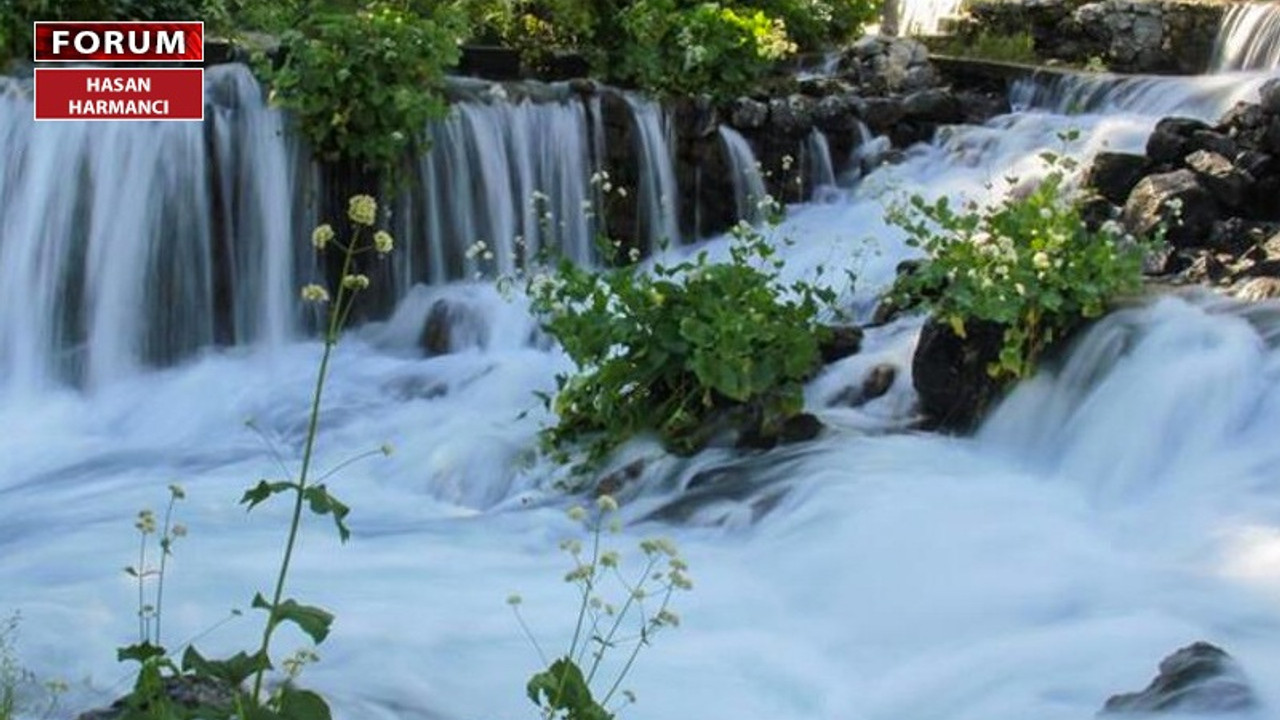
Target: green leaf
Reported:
point(297, 704)
point(313, 621)
point(322, 503)
point(234, 670)
point(562, 687)
point(140, 652)
point(263, 490)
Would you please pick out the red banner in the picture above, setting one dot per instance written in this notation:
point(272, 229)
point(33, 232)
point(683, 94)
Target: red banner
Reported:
point(111, 94)
point(131, 42)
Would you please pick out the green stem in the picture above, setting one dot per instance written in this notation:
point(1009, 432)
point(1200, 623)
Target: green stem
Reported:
point(166, 541)
point(587, 586)
point(142, 599)
point(626, 607)
point(635, 651)
point(330, 340)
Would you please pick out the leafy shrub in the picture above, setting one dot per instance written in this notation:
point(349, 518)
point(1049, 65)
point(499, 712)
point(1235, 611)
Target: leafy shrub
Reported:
point(819, 24)
point(665, 351)
point(363, 85)
point(1029, 264)
point(704, 48)
point(989, 45)
point(16, 16)
point(536, 28)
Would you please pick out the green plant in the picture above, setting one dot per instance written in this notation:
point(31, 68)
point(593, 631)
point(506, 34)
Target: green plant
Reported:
point(1029, 263)
point(363, 85)
point(670, 349)
point(1016, 47)
point(569, 686)
point(20, 693)
point(306, 491)
point(706, 48)
point(819, 24)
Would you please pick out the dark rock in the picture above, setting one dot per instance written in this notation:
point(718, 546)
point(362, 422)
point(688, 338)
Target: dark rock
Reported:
point(619, 479)
point(876, 383)
point(1242, 117)
point(882, 114)
point(798, 428)
point(1213, 141)
point(791, 115)
point(452, 326)
point(950, 373)
point(1227, 183)
point(1257, 164)
point(933, 105)
point(836, 113)
point(1237, 235)
point(748, 114)
point(189, 693)
point(1115, 174)
point(1199, 678)
point(1269, 96)
point(979, 107)
point(844, 340)
point(1271, 136)
point(1153, 201)
point(1169, 142)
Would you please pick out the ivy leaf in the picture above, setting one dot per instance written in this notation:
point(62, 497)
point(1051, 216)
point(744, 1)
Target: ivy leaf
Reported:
point(313, 621)
point(234, 670)
point(562, 687)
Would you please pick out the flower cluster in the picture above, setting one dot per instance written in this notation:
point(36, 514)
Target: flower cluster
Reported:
point(618, 610)
point(362, 210)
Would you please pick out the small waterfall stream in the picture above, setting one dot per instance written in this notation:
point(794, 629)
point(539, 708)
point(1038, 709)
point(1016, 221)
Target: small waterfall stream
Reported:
point(1249, 38)
point(748, 183)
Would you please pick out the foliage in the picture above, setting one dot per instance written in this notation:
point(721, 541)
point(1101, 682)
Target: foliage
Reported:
point(20, 693)
point(703, 48)
point(536, 28)
point(363, 85)
point(665, 350)
point(1029, 263)
point(819, 24)
point(988, 45)
point(605, 622)
point(157, 668)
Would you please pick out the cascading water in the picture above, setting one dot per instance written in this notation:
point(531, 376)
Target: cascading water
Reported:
point(817, 158)
point(657, 187)
point(925, 17)
point(748, 182)
point(1249, 38)
point(1111, 511)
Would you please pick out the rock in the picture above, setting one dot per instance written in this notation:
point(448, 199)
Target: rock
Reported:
point(836, 113)
point(979, 107)
point(1153, 200)
point(882, 114)
point(950, 373)
point(1237, 235)
point(189, 693)
point(1169, 142)
point(933, 105)
point(748, 114)
point(452, 326)
point(1199, 678)
point(1227, 183)
point(1269, 97)
point(1258, 289)
point(1115, 174)
point(1213, 141)
point(845, 340)
point(792, 115)
point(878, 381)
point(798, 428)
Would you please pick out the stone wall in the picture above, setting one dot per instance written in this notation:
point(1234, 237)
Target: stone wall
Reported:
point(1141, 36)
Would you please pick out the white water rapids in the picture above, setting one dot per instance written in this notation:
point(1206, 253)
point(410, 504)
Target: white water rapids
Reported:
point(1107, 514)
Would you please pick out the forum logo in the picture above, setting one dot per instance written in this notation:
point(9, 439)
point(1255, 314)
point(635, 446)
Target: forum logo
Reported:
point(108, 91)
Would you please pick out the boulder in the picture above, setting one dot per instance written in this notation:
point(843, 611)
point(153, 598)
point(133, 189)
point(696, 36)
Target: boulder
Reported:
point(1114, 174)
point(1269, 97)
point(843, 341)
point(1170, 141)
point(190, 694)
point(950, 373)
point(1227, 183)
point(1200, 678)
point(1258, 289)
point(792, 115)
point(748, 114)
point(1156, 200)
point(452, 326)
point(933, 105)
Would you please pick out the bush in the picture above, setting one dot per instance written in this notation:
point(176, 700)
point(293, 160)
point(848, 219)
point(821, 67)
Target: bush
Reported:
point(819, 24)
point(705, 48)
point(667, 351)
point(363, 85)
point(1029, 264)
point(16, 16)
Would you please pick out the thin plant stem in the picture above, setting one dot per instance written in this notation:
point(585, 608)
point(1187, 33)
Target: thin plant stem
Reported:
point(635, 651)
point(529, 634)
point(330, 340)
point(166, 542)
point(632, 591)
point(142, 598)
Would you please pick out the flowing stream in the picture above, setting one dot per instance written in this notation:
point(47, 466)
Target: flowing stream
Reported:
point(1249, 38)
point(1112, 510)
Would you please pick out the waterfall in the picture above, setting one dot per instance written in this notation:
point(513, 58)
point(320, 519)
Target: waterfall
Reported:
point(1248, 39)
point(1204, 96)
point(658, 193)
point(817, 156)
point(748, 183)
point(923, 17)
point(126, 245)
